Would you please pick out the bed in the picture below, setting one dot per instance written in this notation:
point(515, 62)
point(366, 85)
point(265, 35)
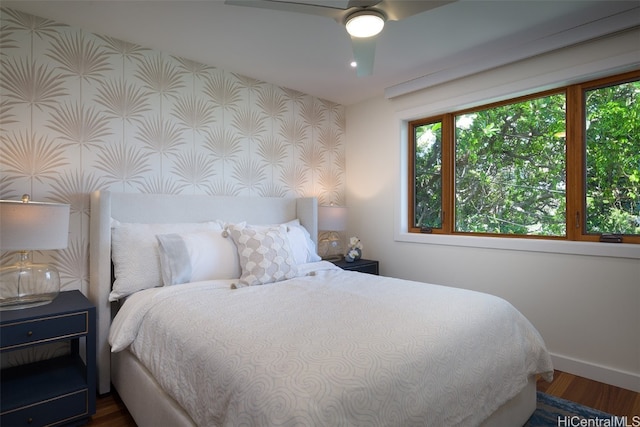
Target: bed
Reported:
point(311, 345)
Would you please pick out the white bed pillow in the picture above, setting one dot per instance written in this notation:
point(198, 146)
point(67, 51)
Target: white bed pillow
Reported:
point(192, 257)
point(304, 250)
point(265, 254)
point(134, 252)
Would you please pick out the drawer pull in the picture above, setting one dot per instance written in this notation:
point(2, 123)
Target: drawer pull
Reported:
point(30, 420)
point(29, 333)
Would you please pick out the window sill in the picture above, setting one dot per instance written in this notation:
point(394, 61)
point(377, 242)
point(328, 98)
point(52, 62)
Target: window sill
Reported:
point(614, 250)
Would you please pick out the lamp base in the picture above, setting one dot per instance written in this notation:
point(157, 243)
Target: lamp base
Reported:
point(19, 303)
point(330, 246)
point(333, 258)
point(25, 285)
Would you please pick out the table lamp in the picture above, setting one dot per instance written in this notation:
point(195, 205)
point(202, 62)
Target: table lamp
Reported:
point(26, 226)
point(332, 220)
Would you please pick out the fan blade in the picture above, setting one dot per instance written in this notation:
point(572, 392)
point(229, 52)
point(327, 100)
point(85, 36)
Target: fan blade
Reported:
point(363, 3)
point(336, 4)
point(335, 9)
point(396, 10)
point(328, 9)
point(364, 52)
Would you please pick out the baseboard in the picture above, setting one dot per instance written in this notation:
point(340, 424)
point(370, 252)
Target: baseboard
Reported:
point(603, 374)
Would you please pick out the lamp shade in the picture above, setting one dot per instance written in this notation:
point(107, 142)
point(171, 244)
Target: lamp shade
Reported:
point(33, 225)
point(332, 218)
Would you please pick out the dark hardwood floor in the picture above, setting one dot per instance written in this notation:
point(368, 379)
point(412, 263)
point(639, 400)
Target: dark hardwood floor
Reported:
point(604, 397)
point(110, 411)
point(613, 400)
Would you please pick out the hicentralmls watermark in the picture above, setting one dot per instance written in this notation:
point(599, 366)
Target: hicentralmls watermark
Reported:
point(576, 421)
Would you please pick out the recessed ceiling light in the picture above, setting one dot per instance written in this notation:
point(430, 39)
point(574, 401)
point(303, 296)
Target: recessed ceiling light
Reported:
point(366, 23)
point(353, 64)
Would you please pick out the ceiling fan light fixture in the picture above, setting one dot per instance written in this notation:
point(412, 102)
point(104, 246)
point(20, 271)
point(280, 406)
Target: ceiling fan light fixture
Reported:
point(364, 24)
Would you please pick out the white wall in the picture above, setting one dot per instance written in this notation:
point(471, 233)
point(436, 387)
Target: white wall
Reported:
point(586, 307)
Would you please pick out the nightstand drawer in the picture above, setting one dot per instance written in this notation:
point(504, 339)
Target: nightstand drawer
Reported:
point(361, 265)
point(50, 412)
point(371, 268)
point(14, 335)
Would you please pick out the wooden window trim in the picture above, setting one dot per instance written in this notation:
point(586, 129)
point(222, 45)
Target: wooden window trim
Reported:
point(579, 145)
point(575, 150)
point(412, 174)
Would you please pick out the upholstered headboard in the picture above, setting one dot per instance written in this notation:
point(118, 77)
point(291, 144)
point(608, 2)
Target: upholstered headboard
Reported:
point(157, 208)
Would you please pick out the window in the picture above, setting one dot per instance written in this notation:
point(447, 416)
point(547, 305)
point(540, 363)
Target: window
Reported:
point(612, 132)
point(428, 173)
point(562, 164)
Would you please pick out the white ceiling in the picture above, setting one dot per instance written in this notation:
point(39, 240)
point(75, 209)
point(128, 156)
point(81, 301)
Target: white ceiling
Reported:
point(311, 53)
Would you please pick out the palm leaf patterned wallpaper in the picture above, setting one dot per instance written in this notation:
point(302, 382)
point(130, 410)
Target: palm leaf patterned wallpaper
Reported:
point(81, 112)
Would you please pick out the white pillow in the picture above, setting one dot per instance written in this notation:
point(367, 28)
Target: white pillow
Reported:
point(304, 249)
point(134, 252)
point(265, 254)
point(192, 257)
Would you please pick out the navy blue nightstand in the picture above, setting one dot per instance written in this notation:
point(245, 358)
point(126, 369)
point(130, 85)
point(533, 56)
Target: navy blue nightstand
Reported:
point(361, 265)
point(57, 391)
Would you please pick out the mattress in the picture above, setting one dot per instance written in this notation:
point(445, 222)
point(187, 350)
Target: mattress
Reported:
point(331, 347)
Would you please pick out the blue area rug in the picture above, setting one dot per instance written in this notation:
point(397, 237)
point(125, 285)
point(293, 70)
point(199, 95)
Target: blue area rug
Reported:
point(553, 411)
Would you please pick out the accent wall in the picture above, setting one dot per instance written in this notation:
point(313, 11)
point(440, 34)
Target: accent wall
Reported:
point(81, 112)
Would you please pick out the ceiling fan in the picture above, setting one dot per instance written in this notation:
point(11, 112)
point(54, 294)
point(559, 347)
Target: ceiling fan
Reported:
point(363, 19)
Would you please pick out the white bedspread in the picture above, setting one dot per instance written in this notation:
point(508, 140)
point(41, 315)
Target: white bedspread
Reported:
point(332, 348)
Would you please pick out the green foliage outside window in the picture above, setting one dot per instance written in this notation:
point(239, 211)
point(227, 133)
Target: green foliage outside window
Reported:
point(510, 172)
point(428, 173)
point(613, 159)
